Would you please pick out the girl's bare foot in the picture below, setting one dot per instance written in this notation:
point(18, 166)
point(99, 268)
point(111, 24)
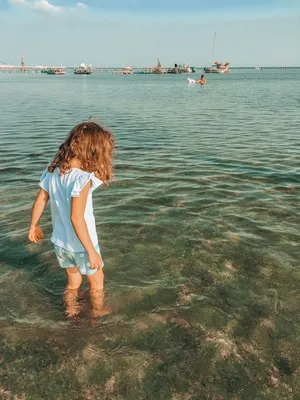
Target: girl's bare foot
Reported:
point(71, 302)
point(98, 306)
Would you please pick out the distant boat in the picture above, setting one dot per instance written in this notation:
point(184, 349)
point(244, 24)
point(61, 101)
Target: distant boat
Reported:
point(181, 69)
point(217, 67)
point(145, 71)
point(83, 70)
point(59, 72)
point(124, 71)
point(54, 71)
point(157, 69)
point(258, 68)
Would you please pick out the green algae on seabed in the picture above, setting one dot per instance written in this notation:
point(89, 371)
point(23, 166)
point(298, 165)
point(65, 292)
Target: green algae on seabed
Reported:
point(228, 329)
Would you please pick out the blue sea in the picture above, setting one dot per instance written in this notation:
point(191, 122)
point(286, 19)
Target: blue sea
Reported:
point(199, 231)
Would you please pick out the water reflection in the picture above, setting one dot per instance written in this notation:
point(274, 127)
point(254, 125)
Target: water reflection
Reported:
point(82, 304)
point(72, 303)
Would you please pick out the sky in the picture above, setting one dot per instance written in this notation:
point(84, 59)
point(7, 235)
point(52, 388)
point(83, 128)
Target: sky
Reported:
point(136, 32)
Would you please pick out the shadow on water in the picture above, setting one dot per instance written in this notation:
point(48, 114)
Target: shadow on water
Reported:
point(36, 262)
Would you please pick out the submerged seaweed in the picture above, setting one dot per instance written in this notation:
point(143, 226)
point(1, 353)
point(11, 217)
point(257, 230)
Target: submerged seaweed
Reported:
point(199, 234)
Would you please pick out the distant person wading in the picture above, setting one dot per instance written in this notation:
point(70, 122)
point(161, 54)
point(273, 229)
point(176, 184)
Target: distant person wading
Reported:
point(202, 80)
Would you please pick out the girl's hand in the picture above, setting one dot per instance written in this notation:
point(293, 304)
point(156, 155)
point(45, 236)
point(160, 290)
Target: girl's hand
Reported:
point(95, 260)
point(35, 233)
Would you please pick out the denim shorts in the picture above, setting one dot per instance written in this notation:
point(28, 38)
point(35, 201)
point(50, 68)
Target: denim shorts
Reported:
point(70, 259)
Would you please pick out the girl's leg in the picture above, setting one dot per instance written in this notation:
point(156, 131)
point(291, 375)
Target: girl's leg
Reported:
point(71, 302)
point(71, 292)
point(74, 278)
point(96, 281)
point(97, 303)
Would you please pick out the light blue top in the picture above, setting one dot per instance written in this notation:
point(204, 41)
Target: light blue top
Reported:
point(61, 188)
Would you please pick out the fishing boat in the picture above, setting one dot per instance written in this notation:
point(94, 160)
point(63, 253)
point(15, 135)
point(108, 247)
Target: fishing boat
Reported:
point(158, 68)
point(145, 71)
point(217, 67)
point(124, 71)
point(181, 69)
point(54, 71)
point(83, 70)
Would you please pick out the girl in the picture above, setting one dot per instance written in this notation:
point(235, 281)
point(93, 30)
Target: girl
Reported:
point(82, 163)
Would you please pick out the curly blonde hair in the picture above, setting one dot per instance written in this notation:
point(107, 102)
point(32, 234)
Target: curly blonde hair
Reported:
point(92, 146)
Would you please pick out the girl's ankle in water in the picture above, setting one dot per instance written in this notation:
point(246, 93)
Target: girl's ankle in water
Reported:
point(98, 306)
point(71, 302)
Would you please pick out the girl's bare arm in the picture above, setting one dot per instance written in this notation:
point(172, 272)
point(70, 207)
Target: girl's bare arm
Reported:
point(36, 233)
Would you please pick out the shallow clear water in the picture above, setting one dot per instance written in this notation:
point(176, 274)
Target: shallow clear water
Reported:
point(199, 232)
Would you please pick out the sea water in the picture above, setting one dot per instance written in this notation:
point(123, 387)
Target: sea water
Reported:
point(199, 232)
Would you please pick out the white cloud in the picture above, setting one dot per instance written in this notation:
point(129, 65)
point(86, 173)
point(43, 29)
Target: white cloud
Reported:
point(79, 5)
point(45, 7)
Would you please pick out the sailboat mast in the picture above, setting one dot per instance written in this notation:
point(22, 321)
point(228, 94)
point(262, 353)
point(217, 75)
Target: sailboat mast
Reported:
point(214, 47)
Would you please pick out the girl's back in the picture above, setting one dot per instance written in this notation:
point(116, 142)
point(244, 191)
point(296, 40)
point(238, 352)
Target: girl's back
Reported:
point(61, 189)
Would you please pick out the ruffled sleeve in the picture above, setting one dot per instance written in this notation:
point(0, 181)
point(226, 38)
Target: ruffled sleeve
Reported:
point(82, 180)
point(45, 180)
